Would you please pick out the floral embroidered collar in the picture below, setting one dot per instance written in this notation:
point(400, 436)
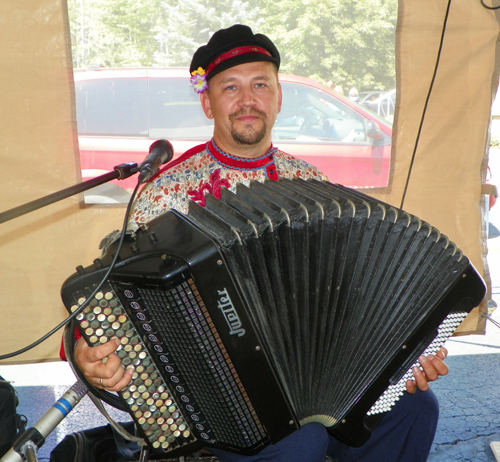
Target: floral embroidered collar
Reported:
point(241, 163)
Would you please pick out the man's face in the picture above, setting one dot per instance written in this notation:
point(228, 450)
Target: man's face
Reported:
point(244, 101)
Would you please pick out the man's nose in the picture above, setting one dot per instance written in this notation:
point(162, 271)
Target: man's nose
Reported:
point(247, 97)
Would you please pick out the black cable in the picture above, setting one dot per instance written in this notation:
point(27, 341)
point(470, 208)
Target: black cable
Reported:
point(84, 305)
point(426, 103)
point(490, 7)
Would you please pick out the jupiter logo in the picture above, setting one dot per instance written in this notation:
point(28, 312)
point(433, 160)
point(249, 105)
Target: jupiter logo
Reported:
point(233, 321)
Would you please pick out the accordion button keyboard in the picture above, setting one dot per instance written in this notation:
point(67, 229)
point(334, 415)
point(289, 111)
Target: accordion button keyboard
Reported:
point(150, 403)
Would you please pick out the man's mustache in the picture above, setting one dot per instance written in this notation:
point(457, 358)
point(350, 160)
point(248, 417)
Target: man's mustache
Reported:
point(242, 112)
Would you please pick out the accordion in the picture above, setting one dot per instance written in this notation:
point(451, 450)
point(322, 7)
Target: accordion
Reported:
point(285, 303)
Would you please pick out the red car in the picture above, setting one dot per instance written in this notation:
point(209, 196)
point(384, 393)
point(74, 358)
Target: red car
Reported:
point(120, 112)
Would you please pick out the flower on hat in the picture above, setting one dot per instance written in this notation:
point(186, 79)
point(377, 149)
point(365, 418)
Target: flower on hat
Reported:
point(199, 80)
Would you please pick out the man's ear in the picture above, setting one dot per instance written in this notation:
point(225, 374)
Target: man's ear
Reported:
point(280, 97)
point(205, 104)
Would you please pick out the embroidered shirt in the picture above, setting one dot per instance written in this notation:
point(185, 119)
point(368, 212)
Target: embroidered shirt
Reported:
point(206, 168)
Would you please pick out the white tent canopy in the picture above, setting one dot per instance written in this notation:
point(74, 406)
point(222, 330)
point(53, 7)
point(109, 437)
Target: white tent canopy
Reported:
point(447, 71)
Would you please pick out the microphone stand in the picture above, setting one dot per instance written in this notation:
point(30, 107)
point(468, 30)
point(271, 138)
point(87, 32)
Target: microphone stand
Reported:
point(120, 172)
point(27, 444)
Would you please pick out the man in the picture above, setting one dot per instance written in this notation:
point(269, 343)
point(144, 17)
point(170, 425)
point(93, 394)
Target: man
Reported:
point(236, 74)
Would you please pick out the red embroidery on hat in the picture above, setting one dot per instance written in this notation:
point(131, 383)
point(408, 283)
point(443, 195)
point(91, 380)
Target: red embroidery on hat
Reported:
point(213, 187)
point(235, 52)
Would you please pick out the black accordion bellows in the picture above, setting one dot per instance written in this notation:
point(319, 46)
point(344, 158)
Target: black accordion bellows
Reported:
point(318, 298)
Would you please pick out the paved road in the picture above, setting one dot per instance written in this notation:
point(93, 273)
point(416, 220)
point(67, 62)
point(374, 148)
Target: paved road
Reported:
point(470, 395)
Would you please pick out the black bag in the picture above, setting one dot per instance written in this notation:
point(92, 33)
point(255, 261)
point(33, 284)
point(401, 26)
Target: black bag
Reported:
point(11, 423)
point(100, 444)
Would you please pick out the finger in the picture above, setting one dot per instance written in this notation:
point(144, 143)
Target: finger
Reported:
point(428, 368)
point(106, 375)
point(107, 369)
point(98, 353)
point(117, 382)
point(442, 353)
point(85, 354)
point(433, 367)
point(440, 366)
point(107, 378)
point(410, 387)
point(92, 366)
point(420, 379)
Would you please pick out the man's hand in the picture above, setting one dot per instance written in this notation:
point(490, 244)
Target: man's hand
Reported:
point(101, 366)
point(433, 366)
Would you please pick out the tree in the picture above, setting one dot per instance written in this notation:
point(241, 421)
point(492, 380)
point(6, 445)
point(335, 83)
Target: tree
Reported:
point(114, 33)
point(350, 42)
point(125, 33)
point(189, 25)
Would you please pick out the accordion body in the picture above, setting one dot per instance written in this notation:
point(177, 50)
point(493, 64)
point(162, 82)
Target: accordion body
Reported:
point(284, 303)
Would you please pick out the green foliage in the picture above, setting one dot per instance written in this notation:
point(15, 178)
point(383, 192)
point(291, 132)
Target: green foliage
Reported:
point(189, 25)
point(349, 42)
point(113, 33)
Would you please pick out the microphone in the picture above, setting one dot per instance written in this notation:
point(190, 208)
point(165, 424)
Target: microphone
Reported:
point(160, 152)
point(31, 440)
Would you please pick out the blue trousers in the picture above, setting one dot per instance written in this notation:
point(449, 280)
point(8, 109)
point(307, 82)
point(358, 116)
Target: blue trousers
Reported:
point(404, 434)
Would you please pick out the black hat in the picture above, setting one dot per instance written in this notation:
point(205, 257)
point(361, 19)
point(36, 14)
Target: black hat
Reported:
point(233, 46)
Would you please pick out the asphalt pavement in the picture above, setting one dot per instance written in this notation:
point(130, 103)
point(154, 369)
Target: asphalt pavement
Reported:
point(469, 395)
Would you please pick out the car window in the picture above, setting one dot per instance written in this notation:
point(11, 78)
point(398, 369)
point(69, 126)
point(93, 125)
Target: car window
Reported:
point(308, 114)
point(346, 142)
point(175, 111)
point(112, 107)
point(386, 105)
point(152, 108)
